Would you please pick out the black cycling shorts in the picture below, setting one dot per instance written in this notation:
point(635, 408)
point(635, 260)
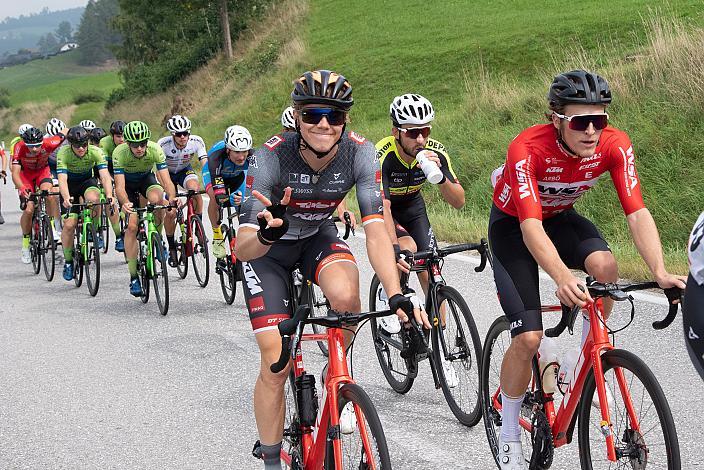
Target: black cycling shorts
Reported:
point(266, 279)
point(179, 179)
point(516, 271)
point(77, 190)
point(141, 187)
point(693, 321)
point(411, 219)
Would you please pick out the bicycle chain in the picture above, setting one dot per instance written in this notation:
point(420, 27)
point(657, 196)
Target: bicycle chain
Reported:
point(541, 439)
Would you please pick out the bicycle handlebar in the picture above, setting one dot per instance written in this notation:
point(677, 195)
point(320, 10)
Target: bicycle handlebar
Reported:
point(333, 320)
point(482, 248)
point(619, 293)
point(190, 193)
point(152, 208)
point(348, 224)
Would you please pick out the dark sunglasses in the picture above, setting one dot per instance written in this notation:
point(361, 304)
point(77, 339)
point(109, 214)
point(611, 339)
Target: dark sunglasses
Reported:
point(135, 145)
point(79, 144)
point(182, 134)
point(414, 132)
point(580, 122)
point(335, 117)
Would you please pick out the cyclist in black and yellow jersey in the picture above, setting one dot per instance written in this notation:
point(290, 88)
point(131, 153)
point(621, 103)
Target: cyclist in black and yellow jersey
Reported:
point(403, 177)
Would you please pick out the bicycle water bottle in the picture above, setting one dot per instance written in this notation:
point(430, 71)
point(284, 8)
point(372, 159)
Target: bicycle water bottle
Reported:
point(307, 397)
point(547, 363)
point(567, 365)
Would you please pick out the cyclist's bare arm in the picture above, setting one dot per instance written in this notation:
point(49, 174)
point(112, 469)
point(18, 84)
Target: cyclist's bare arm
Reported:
point(16, 168)
point(167, 184)
point(120, 191)
point(63, 188)
point(453, 193)
point(647, 240)
point(545, 254)
point(248, 246)
point(106, 181)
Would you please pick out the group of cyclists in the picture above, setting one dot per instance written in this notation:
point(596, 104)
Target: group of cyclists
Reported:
point(287, 189)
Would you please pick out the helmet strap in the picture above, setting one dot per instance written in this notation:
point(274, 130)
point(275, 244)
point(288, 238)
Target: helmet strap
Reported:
point(304, 145)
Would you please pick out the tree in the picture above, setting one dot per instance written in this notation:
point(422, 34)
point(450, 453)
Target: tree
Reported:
point(225, 25)
point(64, 32)
point(95, 34)
point(48, 44)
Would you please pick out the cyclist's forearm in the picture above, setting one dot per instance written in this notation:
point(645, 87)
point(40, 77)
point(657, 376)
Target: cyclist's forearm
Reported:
point(543, 250)
point(647, 240)
point(16, 176)
point(63, 187)
point(248, 246)
point(168, 184)
point(106, 182)
point(381, 257)
point(120, 190)
point(453, 193)
point(389, 222)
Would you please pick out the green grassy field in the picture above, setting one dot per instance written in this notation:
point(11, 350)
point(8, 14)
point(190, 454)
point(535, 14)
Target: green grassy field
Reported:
point(486, 67)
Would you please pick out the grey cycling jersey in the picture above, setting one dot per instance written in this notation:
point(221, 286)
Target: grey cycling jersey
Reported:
point(315, 196)
point(696, 250)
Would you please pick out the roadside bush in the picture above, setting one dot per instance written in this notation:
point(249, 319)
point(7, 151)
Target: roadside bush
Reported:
point(88, 97)
point(4, 98)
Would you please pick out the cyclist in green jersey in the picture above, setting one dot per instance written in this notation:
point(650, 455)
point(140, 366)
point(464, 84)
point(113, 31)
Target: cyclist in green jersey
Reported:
point(108, 144)
point(135, 181)
point(74, 166)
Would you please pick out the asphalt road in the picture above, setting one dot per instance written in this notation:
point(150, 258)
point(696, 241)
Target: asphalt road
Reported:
point(107, 382)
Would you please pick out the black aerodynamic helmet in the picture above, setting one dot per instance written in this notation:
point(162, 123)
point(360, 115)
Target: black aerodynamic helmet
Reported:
point(579, 87)
point(323, 87)
point(32, 136)
point(77, 135)
point(117, 127)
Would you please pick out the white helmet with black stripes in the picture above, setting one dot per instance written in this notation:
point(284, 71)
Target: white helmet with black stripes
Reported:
point(54, 126)
point(411, 109)
point(178, 123)
point(238, 138)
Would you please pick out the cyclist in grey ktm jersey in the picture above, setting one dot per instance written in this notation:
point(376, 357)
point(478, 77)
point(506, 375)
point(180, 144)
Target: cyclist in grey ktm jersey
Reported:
point(693, 307)
point(307, 173)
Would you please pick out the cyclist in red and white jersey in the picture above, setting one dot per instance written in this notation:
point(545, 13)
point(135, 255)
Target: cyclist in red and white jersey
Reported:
point(532, 223)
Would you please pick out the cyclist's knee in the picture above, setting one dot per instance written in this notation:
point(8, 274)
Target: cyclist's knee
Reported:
point(527, 344)
point(602, 265)
point(345, 301)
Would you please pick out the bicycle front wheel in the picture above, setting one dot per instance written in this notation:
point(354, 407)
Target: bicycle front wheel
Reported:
point(388, 346)
point(457, 356)
point(364, 443)
point(105, 227)
point(35, 244)
point(642, 425)
point(291, 443)
point(92, 260)
point(77, 256)
point(48, 248)
point(319, 308)
point(159, 274)
point(199, 254)
point(181, 255)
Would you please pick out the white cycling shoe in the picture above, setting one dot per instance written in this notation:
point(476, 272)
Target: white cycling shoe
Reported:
point(26, 256)
point(57, 235)
point(511, 456)
point(609, 398)
point(390, 324)
point(449, 372)
point(348, 420)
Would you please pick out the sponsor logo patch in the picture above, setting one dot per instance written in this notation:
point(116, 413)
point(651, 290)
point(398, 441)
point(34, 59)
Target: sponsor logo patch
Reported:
point(272, 143)
point(256, 304)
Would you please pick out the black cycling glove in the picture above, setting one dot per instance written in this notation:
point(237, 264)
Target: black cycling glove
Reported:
point(269, 235)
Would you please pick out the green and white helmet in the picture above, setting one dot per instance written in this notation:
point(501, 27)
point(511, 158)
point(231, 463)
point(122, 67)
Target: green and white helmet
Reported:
point(136, 131)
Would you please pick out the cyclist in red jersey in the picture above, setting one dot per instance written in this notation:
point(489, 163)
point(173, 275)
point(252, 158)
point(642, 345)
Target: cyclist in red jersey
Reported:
point(30, 170)
point(532, 223)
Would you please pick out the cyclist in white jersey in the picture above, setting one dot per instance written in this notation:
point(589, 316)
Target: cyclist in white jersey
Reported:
point(180, 148)
point(693, 307)
point(55, 126)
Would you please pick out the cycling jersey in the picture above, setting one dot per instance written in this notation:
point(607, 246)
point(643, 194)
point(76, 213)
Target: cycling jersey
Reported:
point(315, 196)
point(402, 181)
point(79, 169)
point(696, 251)
point(540, 179)
point(35, 162)
point(52, 156)
point(133, 168)
point(219, 165)
point(180, 159)
point(13, 142)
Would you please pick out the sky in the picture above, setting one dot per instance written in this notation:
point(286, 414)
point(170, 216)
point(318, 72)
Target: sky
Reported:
point(16, 8)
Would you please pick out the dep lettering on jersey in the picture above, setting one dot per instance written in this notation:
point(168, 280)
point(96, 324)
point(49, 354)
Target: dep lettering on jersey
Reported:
point(541, 179)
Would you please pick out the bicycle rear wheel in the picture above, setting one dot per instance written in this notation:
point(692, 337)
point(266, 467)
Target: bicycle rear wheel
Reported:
point(104, 227)
point(651, 442)
point(458, 355)
point(35, 244)
point(48, 249)
point(388, 346)
point(181, 246)
point(365, 447)
point(92, 260)
point(199, 255)
point(160, 276)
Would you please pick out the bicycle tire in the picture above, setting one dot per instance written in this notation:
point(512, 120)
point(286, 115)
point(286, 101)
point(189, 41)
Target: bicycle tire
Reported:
point(388, 348)
point(227, 270)
point(364, 412)
point(319, 309)
point(92, 260)
point(48, 249)
point(489, 381)
point(35, 244)
point(77, 256)
point(200, 250)
point(182, 244)
point(627, 361)
point(467, 346)
point(105, 227)
point(160, 274)
point(291, 443)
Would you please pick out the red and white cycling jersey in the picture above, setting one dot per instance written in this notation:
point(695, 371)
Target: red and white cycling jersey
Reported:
point(29, 162)
point(540, 179)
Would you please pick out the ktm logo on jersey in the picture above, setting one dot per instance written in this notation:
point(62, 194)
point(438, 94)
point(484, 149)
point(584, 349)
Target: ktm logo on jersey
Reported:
point(272, 143)
point(356, 137)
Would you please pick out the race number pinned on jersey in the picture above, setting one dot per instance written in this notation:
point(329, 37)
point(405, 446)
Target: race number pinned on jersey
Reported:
point(357, 138)
point(272, 143)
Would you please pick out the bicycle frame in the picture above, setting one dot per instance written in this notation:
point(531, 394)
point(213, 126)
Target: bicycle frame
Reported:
point(186, 223)
point(146, 225)
point(562, 421)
